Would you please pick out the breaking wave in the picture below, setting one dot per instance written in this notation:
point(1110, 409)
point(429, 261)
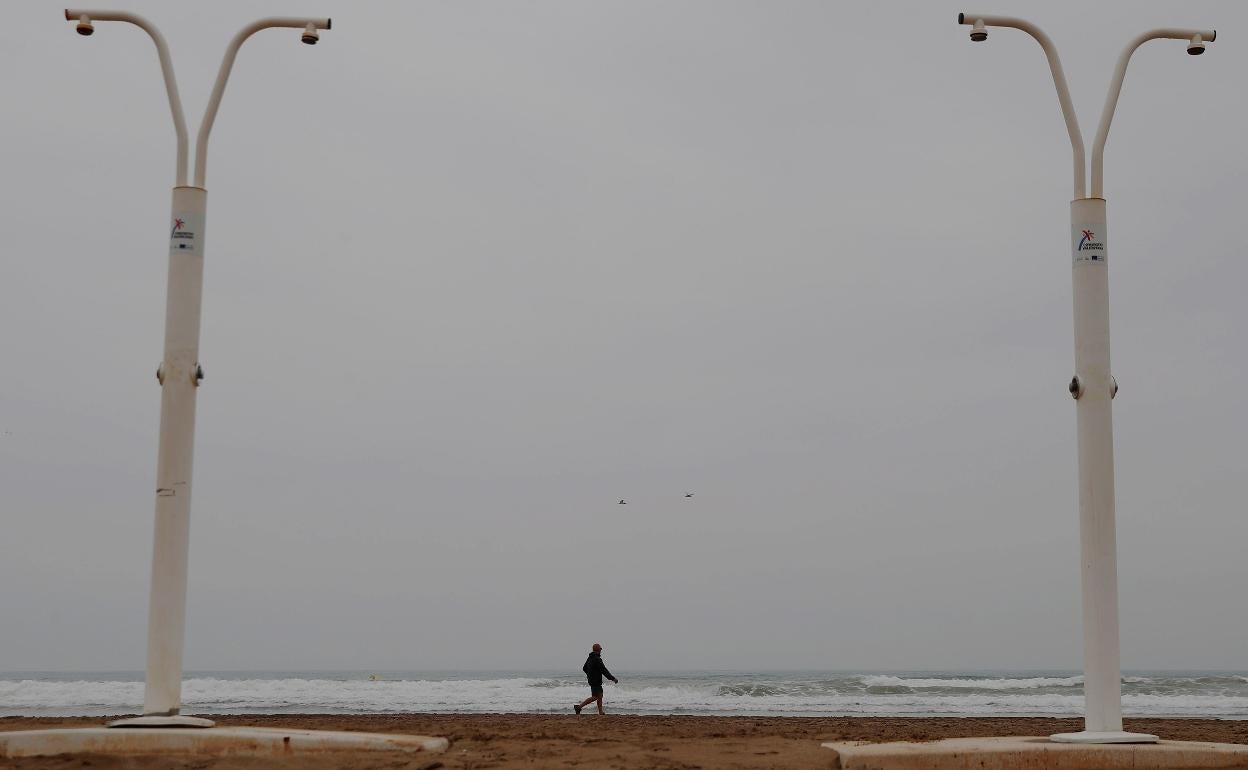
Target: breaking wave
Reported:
point(1221, 695)
point(1029, 683)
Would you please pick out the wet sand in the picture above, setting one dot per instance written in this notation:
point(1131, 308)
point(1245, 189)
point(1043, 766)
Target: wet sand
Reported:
point(507, 741)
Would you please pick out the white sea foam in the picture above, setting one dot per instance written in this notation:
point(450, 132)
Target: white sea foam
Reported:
point(1224, 696)
point(1027, 683)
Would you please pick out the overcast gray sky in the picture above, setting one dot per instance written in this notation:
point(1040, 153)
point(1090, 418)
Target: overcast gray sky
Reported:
point(476, 270)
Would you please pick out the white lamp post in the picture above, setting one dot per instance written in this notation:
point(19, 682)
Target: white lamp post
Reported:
point(1093, 388)
point(179, 375)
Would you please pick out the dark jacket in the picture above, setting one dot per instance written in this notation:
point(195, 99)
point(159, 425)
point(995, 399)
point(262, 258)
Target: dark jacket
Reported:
point(595, 669)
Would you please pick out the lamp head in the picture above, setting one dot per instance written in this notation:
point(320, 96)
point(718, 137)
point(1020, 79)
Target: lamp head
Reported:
point(85, 28)
point(979, 32)
point(310, 35)
point(1196, 46)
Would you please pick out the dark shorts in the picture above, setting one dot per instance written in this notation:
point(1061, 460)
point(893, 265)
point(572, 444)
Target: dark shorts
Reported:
point(595, 690)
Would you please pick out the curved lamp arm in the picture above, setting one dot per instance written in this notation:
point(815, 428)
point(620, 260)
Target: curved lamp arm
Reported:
point(1196, 38)
point(227, 63)
point(1059, 80)
point(84, 19)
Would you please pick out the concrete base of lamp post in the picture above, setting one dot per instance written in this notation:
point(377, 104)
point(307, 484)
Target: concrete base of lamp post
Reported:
point(1027, 753)
point(177, 720)
point(1091, 736)
point(213, 742)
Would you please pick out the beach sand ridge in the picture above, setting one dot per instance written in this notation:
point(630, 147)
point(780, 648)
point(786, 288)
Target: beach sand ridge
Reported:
point(614, 742)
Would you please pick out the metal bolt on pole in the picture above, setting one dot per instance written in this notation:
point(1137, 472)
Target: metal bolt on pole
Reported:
point(1093, 388)
point(179, 375)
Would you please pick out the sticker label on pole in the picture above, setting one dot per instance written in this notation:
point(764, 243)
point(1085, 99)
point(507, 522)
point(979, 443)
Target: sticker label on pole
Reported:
point(186, 234)
point(1088, 242)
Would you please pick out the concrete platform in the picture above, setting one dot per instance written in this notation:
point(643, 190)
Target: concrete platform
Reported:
point(1037, 753)
point(206, 742)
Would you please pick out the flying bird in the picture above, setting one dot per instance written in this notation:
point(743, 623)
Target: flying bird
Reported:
point(622, 502)
point(688, 494)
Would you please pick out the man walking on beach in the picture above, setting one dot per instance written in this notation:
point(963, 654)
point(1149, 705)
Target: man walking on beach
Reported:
point(595, 669)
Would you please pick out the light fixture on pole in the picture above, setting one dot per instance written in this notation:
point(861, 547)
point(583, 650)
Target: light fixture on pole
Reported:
point(1093, 388)
point(179, 375)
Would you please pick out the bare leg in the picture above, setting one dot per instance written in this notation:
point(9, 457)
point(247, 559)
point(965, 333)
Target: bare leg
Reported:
point(599, 699)
point(587, 701)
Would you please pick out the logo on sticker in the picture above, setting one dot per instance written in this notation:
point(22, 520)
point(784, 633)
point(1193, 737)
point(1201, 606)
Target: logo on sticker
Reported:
point(180, 237)
point(1088, 249)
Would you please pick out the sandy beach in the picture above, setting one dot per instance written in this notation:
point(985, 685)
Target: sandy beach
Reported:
point(506, 741)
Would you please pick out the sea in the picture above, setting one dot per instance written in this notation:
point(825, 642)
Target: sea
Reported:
point(790, 693)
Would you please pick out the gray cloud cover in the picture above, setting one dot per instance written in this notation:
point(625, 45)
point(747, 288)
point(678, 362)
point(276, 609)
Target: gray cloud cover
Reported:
point(476, 270)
